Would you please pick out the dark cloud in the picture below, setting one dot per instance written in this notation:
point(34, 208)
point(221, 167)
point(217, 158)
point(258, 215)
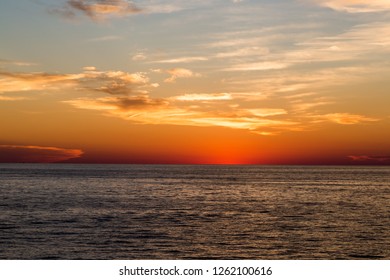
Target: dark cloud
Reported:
point(113, 82)
point(135, 102)
point(36, 154)
point(116, 88)
point(97, 9)
point(122, 106)
point(370, 158)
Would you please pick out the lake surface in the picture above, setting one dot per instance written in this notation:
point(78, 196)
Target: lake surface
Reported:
point(66, 211)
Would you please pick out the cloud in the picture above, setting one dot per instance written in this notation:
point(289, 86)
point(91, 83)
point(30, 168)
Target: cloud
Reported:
point(203, 97)
point(348, 52)
point(105, 38)
point(258, 66)
point(162, 7)
point(302, 106)
point(16, 81)
point(89, 68)
point(15, 62)
point(356, 6)
point(112, 82)
point(100, 10)
point(370, 158)
point(248, 123)
point(147, 110)
point(11, 98)
point(97, 9)
point(183, 59)
point(139, 56)
point(118, 104)
point(359, 44)
point(345, 118)
point(242, 52)
point(19, 153)
point(177, 73)
point(238, 42)
point(266, 112)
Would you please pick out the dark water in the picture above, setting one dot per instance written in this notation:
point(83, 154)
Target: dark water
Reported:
point(193, 212)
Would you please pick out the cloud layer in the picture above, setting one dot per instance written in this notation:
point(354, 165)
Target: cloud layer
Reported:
point(128, 96)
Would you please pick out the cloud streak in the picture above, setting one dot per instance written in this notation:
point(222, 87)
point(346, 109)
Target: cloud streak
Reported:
point(112, 82)
point(347, 119)
point(11, 98)
point(356, 6)
point(15, 62)
point(16, 81)
point(183, 59)
point(37, 154)
point(258, 66)
point(363, 158)
point(203, 97)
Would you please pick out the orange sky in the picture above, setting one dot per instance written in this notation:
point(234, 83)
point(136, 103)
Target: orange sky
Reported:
point(195, 82)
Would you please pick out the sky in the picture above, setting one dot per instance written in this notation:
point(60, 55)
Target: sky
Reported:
point(195, 82)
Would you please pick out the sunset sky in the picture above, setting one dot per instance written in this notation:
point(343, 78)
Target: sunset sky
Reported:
point(208, 82)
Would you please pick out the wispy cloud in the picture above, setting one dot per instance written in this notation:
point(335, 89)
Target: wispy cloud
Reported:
point(203, 97)
point(97, 9)
point(105, 38)
point(359, 44)
point(16, 81)
point(177, 73)
point(258, 66)
point(183, 59)
point(266, 112)
point(162, 7)
point(303, 106)
point(11, 98)
point(363, 158)
point(139, 56)
point(356, 6)
point(112, 82)
point(42, 154)
point(243, 52)
point(15, 62)
point(122, 104)
point(348, 119)
point(350, 50)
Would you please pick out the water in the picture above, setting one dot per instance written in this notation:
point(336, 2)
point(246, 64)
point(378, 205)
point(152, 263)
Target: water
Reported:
point(193, 212)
